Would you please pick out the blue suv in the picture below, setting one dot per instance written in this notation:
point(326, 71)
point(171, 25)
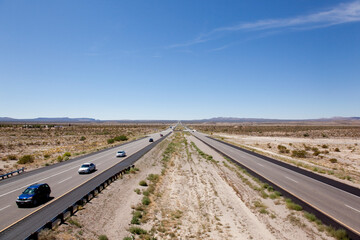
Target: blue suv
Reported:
point(34, 195)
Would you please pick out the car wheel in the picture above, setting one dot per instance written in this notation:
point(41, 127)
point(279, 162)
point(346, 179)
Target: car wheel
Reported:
point(47, 196)
point(35, 203)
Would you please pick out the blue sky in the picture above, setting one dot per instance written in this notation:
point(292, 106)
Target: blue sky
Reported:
point(285, 59)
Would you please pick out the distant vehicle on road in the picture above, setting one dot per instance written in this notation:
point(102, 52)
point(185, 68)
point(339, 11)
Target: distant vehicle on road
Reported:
point(87, 168)
point(161, 135)
point(120, 154)
point(151, 140)
point(34, 195)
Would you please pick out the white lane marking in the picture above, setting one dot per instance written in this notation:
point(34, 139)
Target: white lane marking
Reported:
point(40, 180)
point(68, 169)
point(105, 155)
point(291, 179)
point(227, 148)
point(352, 208)
point(4, 207)
point(260, 164)
point(64, 180)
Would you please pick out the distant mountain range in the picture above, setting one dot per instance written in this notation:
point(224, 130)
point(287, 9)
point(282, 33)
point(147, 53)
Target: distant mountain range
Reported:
point(76, 120)
point(210, 120)
point(266, 120)
point(49, 120)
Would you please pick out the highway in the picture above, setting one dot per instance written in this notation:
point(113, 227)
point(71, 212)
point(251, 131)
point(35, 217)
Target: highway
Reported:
point(337, 204)
point(62, 178)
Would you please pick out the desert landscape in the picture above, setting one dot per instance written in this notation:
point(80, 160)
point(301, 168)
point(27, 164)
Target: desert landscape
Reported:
point(182, 189)
point(159, 120)
point(332, 150)
point(37, 145)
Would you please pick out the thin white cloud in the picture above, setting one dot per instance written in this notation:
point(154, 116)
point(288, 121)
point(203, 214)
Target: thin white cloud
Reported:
point(220, 48)
point(343, 13)
point(197, 40)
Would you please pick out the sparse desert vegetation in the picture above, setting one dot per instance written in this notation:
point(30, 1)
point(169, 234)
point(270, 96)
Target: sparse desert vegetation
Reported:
point(282, 130)
point(333, 150)
point(192, 192)
point(40, 145)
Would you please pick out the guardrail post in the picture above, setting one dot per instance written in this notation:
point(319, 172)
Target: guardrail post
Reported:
point(61, 217)
point(71, 210)
point(34, 236)
point(48, 225)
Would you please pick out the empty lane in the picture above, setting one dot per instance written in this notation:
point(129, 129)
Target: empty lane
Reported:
point(342, 206)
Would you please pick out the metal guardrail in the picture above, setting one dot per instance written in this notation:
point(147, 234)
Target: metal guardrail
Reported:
point(71, 210)
point(34, 171)
point(77, 197)
point(340, 185)
point(7, 175)
point(306, 206)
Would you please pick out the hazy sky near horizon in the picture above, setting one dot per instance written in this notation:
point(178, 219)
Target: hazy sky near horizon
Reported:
point(181, 59)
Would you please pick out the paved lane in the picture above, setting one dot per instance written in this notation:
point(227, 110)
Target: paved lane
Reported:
point(342, 206)
point(61, 178)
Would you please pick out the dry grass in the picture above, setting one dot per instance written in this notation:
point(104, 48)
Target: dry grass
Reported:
point(333, 150)
point(49, 144)
point(281, 130)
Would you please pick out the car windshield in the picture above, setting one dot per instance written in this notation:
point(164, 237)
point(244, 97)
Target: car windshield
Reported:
point(85, 165)
point(120, 151)
point(29, 191)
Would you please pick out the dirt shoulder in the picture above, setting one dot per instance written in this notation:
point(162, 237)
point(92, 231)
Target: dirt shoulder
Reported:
point(192, 193)
point(337, 158)
point(195, 202)
point(110, 212)
point(266, 206)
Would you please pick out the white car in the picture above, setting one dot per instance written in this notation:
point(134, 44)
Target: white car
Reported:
point(120, 154)
point(87, 168)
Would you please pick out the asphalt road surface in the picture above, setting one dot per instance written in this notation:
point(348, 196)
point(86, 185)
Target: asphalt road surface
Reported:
point(341, 206)
point(61, 178)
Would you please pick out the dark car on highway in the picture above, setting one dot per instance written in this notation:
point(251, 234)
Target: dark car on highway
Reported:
point(33, 195)
point(151, 140)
